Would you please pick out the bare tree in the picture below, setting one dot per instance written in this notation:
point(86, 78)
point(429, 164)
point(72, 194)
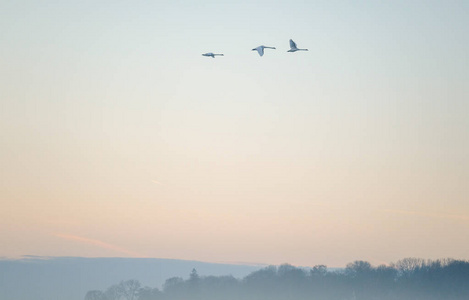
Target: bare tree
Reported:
point(148, 293)
point(357, 268)
point(409, 265)
point(130, 289)
point(114, 292)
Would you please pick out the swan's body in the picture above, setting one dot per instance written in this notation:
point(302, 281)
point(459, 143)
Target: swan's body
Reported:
point(260, 49)
point(294, 48)
point(212, 55)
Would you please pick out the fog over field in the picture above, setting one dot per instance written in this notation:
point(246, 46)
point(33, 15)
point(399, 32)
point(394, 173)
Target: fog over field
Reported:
point(73, 278)
point(43, 278)
point(406, 279)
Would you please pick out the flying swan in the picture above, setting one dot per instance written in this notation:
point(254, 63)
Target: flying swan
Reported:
point(260, 49)
point(293, 47)
point(212, 55)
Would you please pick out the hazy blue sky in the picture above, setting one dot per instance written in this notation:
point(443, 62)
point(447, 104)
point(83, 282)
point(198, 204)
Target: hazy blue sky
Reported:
point(119, 139)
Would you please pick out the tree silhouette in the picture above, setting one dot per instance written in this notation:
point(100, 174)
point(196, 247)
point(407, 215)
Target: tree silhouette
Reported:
point(193, 276)
point(148, 293)
point(129, 289)
point(114, 292)
point(409, 278)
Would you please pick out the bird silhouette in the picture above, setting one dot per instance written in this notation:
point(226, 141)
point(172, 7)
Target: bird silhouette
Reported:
point(294, 48)
point(212, 55)
point(260, 49)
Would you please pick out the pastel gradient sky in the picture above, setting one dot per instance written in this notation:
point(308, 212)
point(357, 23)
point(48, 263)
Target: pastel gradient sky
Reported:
point(119, 139)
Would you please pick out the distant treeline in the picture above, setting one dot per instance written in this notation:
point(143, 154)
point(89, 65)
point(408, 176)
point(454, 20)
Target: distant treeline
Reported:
point(410, 278)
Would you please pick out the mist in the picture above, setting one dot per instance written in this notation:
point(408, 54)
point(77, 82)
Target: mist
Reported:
point(76, 278)
point(409, 278)
point(69, 278)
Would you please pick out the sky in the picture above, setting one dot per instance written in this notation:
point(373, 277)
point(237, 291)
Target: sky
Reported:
point(119, 139)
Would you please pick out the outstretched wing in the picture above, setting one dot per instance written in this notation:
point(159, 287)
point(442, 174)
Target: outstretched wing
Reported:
point(260, 49)
point(292, 44)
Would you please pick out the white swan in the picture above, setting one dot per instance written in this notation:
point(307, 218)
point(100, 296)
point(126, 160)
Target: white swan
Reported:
point(212, 55)
point(260, 49)
point(293, 47)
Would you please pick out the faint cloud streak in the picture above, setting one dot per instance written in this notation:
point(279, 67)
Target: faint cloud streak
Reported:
point(98, 243)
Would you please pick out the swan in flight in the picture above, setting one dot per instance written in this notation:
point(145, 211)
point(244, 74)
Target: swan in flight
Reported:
point(293, 47)
point(260, 49)
point(212, 55)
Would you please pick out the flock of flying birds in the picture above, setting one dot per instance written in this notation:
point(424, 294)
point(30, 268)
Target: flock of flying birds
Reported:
point(260, 50)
